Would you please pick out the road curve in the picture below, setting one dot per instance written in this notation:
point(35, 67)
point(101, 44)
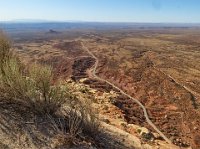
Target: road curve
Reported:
point(135, 100)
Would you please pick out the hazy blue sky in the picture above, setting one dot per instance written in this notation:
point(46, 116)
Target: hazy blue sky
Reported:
point(187, 11)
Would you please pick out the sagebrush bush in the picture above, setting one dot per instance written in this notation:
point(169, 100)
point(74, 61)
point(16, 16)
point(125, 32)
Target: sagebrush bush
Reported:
point(13, 83)
point(48, 97)
point(34, 88)
point(5, 51)
point(31, 86)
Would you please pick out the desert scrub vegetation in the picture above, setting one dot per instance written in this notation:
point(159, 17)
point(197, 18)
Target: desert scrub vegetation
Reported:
point(30, 86)
point(33, 87)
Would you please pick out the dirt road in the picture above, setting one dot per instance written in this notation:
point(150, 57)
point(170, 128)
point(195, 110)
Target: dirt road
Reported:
point(135, 100)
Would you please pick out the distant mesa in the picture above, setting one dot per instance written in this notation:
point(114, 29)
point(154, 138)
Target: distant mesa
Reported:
point(51, 31)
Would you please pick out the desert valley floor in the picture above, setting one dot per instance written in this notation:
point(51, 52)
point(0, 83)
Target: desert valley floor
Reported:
point(159, 67)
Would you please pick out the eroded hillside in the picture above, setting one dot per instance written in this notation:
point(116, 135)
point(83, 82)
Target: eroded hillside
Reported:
point(160, 68)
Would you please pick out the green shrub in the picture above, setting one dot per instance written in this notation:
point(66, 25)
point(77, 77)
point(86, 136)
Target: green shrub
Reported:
point(5, 51)
point(32, 86)
point(13, 83)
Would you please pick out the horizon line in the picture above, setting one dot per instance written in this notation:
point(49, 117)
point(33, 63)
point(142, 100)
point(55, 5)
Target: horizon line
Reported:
point(80, 21)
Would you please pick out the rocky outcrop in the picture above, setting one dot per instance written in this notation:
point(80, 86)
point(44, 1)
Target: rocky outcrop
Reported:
point(80, 67)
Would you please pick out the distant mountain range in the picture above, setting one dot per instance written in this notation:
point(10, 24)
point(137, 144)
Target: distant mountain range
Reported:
point(46, 25)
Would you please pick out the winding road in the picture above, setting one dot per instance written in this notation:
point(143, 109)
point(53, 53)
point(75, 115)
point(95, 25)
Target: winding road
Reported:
point(122, 92)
